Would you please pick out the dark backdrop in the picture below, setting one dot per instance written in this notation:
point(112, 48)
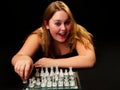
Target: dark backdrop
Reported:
point(20, 17)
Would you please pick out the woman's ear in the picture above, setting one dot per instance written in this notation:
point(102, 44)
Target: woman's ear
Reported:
point(46, 24)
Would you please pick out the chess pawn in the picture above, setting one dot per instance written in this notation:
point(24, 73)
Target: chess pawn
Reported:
point(25, 81)
point(42, 72)
point(60, 83)
point(33, 80)
point(72, 82)
point(43, 81)
point(54, 84)
point(43, 84)
point(61, 75)
point(56, 77)
point(46, 72)
point(66, 81)
point(71, 74)
point(49, 82)
point(56, 70)
point(37, 74)
point(31, 84)
point(56, 73)
point(70, 71)
point(51, 72)
point(38, 81)
point(48, 78)
point(66, 73)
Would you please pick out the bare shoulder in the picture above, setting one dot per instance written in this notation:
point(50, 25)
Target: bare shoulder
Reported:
point(35, 36)
point(84, 46)
point(38, 30)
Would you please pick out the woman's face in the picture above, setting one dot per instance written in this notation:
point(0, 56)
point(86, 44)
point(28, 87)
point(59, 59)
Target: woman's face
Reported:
point(59, 26)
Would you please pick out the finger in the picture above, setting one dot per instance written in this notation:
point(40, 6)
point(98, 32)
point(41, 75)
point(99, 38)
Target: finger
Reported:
point(17, 68)
point(37, 65)
point(27, 72)
point(21, 71)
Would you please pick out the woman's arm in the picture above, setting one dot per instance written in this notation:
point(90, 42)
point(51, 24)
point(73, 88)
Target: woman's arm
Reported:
point(85, 58)
point(22, 60)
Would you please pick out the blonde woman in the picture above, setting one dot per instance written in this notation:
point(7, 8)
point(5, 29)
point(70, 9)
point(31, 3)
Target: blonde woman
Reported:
point(63, 42)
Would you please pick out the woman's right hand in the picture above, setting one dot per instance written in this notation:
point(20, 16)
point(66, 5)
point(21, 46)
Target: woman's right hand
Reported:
point(23, 66)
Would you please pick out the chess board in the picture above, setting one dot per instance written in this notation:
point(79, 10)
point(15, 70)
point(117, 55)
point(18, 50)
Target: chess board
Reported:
point(55, 79)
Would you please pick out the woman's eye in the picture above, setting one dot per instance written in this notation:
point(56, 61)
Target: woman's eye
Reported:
point(58, 24)
point(67, 22)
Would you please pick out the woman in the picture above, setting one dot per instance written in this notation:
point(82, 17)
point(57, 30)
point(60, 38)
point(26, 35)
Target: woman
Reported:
point(64, 43)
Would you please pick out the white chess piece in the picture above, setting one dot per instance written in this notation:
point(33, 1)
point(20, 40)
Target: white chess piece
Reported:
point(70, 71)
point(42, 72)
point(72, 82)
point(43, 82)
point(56, 77)
point(46, 72)
point(66, 81)
point(49, 82)
point(56, 70)
point(66, 73)
point(37, 74)
point(66, 78)
point(33, 80)
point(56, 74)
point(25, 81)
point(61, 75)
point(71, 74)
point(31, 84)
point(54, 84)
point(51, 72)
point(60, 83)
point(38, 82)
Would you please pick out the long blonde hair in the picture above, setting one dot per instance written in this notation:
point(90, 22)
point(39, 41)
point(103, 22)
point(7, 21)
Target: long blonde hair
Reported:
point(78, 32)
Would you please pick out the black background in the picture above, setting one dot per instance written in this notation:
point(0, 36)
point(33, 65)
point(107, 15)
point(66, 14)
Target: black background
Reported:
point(20, 17)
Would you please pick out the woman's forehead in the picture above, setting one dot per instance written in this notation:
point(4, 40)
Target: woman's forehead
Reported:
point(60, 15)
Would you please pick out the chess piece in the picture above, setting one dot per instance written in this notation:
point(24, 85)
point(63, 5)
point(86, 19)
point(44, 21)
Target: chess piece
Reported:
point(71, 74)
point(56, 74)
point(46, 72)
point(56, 70)
point(66, 73)
point(70, 71)
point(31, 84)
point(43, 82)
point(37, 74)
point(49, 82)
point(61, 75)
point(51, 72)
point(54, 84)
point(60, 83)
point(38, 82)
point(66, 81)
point(25, 82)
point(72, 82)
point(56, 77)
point(42, 72)
point(33, 80)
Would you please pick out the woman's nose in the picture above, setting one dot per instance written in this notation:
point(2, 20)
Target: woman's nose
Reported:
point(63, 27)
